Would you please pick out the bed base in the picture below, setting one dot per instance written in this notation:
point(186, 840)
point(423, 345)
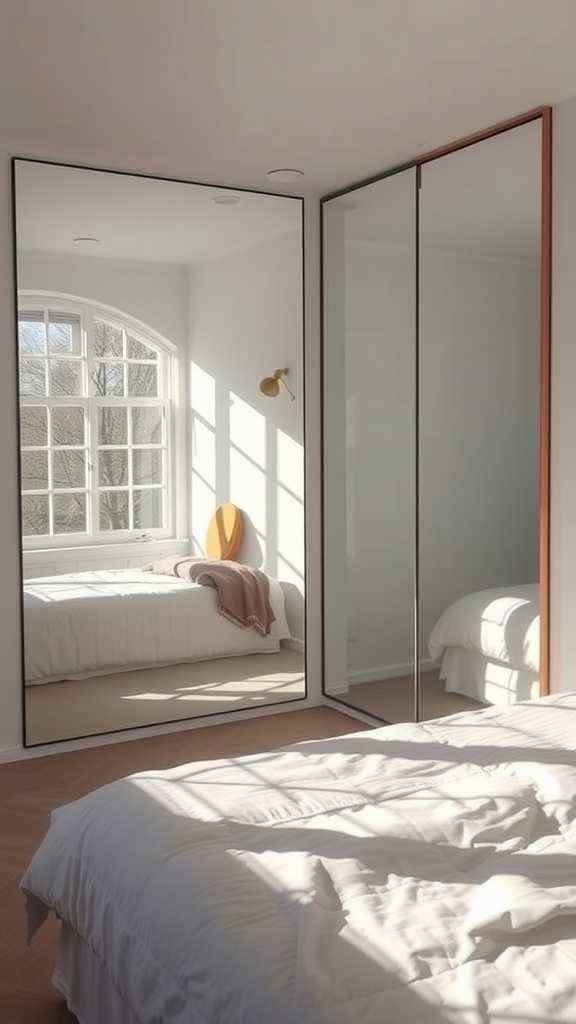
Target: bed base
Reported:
point(85, 984)
point(486, 679)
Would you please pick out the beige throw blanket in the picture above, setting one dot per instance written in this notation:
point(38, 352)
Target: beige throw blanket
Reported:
point(243, 593)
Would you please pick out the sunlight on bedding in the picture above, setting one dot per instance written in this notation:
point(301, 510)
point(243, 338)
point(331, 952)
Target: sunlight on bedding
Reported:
point(496, 619)
point(417, 873)
point(500, 683)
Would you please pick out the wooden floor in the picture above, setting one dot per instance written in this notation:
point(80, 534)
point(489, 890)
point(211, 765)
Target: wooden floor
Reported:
point(30, 789)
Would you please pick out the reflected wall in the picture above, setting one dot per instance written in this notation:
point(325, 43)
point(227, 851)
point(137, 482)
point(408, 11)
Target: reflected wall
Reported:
point(370, 436)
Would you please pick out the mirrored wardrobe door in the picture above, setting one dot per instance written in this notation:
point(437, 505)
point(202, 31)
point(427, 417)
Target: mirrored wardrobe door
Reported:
point(369, 360)
point(480, 214)
point(149, 311)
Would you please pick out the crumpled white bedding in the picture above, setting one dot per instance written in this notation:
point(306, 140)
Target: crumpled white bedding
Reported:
point(109, 620)
point(502, 623)
point(414, 874)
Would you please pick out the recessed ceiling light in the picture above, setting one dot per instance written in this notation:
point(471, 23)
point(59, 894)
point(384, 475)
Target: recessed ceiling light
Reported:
point(225, 200)
point(85, 238)
point(285, 174)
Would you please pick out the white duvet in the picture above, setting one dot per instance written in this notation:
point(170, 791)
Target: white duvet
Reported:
point(90, 623)
point(501, 623)
point(414, 874)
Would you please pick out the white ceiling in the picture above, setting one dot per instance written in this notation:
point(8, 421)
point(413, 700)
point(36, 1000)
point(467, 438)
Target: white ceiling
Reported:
point(224, 90)
point(140, 219)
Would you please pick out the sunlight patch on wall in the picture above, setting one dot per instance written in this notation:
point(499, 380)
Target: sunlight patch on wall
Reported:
point(248, 465)
point(290, 508)
point(248, 430)
point(290, 513)
point(290, 464)
point(248, 489)
point(202, 394)
point(202, 454)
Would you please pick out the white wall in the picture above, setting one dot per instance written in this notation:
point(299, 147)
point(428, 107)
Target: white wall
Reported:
point(246, 321)
point(479, 354)
point(381, 430)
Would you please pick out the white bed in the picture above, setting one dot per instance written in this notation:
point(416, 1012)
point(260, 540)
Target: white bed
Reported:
point(93, 623)
point(488, 644)
point(413, 874)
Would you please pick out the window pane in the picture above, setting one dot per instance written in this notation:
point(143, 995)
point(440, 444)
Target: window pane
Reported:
point(69, 513)
point(35, 514)
point(31, 336)
point(108, 379)
point(147, 509)
point(60, 440)
point(147, 466)
point(147, 425)
point(33, 426)
point(114, 510)
point(69, 469)
point(108, 340)
point(67, 425)
point(64, 334)
point(34, 470)
point(32, 377)
point(66, 377)
point(142, 380)
point(137, 350)
point(112, 425)
point(113, 467)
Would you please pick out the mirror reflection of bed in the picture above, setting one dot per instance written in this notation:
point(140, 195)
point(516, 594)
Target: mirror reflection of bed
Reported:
point(210, 633)
point(148, 312)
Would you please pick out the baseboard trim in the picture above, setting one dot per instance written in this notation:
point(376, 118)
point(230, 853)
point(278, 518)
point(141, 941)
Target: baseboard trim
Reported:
point(293, 644)
point(381, 672)
point(337, 689)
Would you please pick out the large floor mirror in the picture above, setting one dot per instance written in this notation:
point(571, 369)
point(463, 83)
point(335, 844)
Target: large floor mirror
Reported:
point(436, 435)
point(159, 332)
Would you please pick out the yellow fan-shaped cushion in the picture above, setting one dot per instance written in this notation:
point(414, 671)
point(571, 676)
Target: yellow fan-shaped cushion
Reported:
point(225, 531)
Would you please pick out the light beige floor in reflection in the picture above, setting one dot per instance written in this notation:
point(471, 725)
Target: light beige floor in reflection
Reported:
point(57, 711)
point(393, 699)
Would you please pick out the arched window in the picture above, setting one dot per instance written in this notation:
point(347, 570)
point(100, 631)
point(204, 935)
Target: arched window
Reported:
point(95, 423)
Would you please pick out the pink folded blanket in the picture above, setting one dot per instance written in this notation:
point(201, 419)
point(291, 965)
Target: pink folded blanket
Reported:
point(243, 593)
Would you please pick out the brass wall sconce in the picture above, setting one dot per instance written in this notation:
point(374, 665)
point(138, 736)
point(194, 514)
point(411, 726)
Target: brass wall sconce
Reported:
point(270, 386)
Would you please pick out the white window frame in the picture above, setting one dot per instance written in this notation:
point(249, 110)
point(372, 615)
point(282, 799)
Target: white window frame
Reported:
point(89, 310)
